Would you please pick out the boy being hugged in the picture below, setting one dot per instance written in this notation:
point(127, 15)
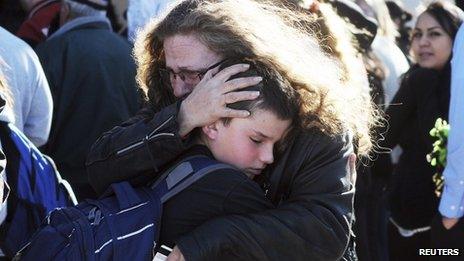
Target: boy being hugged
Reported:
point(248, 144)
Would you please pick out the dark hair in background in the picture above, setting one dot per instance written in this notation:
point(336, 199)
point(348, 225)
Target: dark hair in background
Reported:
point(276, 94)
point(447, 15)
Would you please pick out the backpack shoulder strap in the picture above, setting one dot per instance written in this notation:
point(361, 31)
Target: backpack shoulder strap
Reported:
point(21, 142)
point(31, 163)
point(12, 167)
point(185, 173)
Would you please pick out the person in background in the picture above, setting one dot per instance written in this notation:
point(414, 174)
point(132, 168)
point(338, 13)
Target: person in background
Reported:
point(92, 78)
point(11, 15)
point(422, 98)
point(460, 4)
point(448, 231)
point(129, 16)
point(6, 116)
point(393, 65)
point(31, 97)
point(42, 20)
point(117, 14)
point(139, 12)
point(401, 18)
point(309, 182)
point(384, 46)
point(367, 226)
point(4, 189)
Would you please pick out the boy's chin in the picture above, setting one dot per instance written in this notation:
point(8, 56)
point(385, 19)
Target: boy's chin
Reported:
point(252, 173)
point(249, 175)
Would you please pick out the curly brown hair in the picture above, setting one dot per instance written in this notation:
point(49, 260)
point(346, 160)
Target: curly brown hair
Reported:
point(275, 36)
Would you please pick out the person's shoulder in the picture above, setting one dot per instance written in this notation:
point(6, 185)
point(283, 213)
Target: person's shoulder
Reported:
point(99, 42)
point(317, 141)
point(89, 33)
point(417, 75)
point(313, 149)
point(20, 58)
point(225, 179)
point(8, 37)
point(14, 46)
point(215, 173)
point(231, 183)
point(225, 173)
point(201, 159)
point(54, 44)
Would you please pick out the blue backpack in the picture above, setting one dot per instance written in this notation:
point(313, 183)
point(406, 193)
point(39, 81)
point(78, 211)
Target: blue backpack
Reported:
point(36, 189)
point(122, 225)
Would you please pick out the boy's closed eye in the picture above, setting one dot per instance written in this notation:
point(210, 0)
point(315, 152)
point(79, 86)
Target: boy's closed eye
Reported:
point(257, 141)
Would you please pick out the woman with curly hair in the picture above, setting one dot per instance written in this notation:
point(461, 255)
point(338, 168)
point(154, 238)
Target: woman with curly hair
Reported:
point(309, 181)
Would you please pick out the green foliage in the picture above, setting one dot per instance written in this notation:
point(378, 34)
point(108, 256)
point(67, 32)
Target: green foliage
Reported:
point(437, 157)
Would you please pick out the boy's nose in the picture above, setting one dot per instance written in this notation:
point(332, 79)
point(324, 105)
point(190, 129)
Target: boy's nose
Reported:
point(267, 155)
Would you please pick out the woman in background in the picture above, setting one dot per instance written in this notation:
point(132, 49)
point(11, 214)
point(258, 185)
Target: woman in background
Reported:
point(422, 98)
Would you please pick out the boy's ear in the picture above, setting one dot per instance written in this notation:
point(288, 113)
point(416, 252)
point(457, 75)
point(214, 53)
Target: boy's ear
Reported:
point(211, 131)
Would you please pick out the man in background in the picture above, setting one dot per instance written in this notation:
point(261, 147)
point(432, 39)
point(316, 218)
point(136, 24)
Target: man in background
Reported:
point(92, 78)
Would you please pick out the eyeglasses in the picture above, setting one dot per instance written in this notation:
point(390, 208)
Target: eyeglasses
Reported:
point(189, 77)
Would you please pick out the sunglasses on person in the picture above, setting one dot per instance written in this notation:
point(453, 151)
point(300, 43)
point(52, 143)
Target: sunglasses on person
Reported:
point(189, 77)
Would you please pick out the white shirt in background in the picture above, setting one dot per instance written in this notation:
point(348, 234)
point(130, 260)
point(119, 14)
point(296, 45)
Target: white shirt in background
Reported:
point(139, 12)
point(32, 100)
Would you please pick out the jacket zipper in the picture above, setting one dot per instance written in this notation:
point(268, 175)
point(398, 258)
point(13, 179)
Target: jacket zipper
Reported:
point(161, 126)
point(148, 137)
point(138, 144)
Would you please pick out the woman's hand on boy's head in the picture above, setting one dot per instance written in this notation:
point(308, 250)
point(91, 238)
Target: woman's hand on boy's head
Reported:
point(208, 101)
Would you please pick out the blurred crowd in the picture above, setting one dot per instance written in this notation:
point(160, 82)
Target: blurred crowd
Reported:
point(69, 76)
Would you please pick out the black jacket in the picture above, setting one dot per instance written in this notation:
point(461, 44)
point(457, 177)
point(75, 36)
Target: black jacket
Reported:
point(218, 193)
point(92, 79)
point(312, 222)
point(422, 98)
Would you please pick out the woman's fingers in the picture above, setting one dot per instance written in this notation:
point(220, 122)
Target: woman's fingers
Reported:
point(232, 97)
point(231, 113)
point(208, 101)
point(227, 72)
point(240, 83)
point(211, 73)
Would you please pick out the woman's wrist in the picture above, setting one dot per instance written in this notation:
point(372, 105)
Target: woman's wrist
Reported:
point(183, 121)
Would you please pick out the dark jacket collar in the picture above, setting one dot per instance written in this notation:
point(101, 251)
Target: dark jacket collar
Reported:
point(83, 22)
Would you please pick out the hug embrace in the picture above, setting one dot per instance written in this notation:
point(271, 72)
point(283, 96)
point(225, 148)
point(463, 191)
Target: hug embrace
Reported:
point(257, 86)
point(290, 125)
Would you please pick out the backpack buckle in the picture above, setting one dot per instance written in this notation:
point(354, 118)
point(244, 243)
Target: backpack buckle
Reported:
point(95, 215)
